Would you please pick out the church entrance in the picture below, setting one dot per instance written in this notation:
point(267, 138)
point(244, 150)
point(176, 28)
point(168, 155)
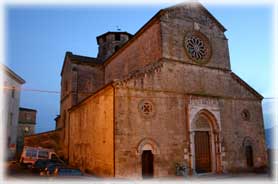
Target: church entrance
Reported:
point(202, 152)
point(205, 144)
point(147, 164)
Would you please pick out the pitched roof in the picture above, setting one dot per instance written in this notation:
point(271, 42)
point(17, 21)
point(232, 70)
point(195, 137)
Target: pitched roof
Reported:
point(78, 59)
point(27, 109)
point(12, 74)
point(156, 17)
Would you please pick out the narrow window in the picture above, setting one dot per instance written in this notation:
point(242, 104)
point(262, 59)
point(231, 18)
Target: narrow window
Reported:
point(11, 118)
point(9, 141)
point(104, 39)
point(116, 48)
point(13, 92)
point(117, 37)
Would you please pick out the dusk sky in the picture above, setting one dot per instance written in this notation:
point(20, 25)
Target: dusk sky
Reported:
point(37, 38)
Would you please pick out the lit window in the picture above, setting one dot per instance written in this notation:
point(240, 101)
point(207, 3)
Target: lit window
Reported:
point(26, 129)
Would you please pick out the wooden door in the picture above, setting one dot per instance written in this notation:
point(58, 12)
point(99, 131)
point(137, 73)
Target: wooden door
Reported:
point(147, 164)
point(202, 152)
point(249, 156)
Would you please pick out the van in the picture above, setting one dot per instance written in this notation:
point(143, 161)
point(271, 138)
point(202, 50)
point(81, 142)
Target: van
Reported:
point(30, 155)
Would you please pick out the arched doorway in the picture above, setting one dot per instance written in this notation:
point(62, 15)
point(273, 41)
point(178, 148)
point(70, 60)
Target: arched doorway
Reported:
point(248, 151)
point(148, 149)
point(249, 156)
point(147, 164)
point(205, 144)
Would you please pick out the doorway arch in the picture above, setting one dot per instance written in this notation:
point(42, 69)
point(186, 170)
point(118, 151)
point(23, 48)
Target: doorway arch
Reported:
point(248, 151)
point(147, 164)
point(205, 144)
point(147, 149)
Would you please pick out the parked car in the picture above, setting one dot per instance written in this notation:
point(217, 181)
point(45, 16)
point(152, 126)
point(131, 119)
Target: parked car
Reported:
point(31, 154)
point(66, 171)
point(41, 164)
point(50, 168)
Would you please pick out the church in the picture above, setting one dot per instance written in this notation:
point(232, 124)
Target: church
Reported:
point(163, 97)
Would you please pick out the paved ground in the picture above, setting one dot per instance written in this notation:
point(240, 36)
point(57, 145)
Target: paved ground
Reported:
point(15, 172)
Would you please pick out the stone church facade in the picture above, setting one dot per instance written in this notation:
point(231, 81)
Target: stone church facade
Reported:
point(163, 97)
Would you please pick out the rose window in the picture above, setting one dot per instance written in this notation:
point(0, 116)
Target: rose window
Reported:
point(197, 47)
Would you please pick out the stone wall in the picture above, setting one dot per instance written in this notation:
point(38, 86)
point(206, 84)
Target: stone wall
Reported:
point(151, 111)
point(89, 80)
point(79, 80)
point(174, 76)
point(145, 49)
point(164, 130)
point(170, 83)
point(235, 131)
point(91, 141)
point(178, 21)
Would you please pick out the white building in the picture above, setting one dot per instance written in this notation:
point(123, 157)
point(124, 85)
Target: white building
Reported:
point(11, 87)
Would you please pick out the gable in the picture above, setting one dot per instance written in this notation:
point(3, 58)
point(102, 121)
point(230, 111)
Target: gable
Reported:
point(180, 24)
point(80, 60)
point(195, 12)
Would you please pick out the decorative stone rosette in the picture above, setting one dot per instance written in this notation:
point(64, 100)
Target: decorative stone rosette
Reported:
point(197, 47)
point(146, 108)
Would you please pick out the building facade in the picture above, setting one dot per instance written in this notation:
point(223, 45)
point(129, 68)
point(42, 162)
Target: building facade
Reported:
point(26, 126)
point(10, 108)
point(163, 97)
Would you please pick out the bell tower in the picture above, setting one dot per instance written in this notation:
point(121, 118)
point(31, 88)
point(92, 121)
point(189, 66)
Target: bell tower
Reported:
point(110, 42)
